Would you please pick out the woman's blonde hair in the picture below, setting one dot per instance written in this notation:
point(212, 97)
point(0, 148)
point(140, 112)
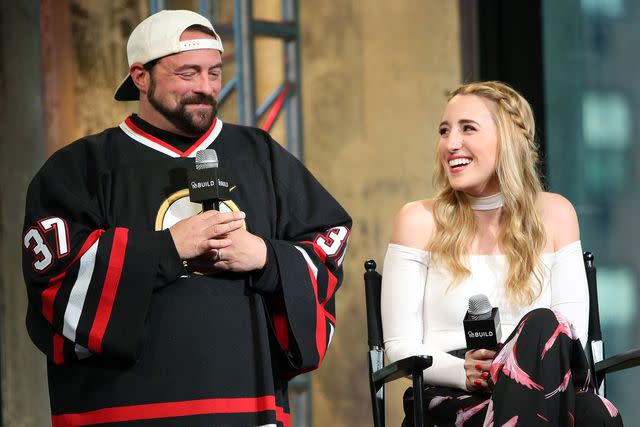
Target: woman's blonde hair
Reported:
point(522, 235)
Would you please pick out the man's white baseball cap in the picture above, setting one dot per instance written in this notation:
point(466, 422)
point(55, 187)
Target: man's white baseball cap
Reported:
point(158, 36)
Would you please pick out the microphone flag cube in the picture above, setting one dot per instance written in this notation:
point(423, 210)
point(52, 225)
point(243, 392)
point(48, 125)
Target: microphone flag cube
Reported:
point(482, 331)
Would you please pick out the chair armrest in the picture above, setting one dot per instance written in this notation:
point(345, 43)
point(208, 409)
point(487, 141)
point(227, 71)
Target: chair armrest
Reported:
point(402, 368)
point(619, 362)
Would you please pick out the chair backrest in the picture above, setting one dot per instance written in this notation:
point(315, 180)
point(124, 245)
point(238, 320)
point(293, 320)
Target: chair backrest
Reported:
point(595, 346)
point(373, 286)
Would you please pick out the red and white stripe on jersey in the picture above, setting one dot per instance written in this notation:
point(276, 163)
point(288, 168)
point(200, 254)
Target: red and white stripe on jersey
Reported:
point(329, 245)
point(79, 288)
point(321, 326)
point(109, 289)
point(79, 292)
point(153, 411)
point(152, 142)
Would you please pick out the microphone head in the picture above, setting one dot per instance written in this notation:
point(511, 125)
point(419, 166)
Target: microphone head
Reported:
point(206, 159)
point(479, 305)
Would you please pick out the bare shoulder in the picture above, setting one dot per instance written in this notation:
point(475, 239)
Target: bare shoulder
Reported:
point(555, 207)
point(560, 219)
point(414, 224)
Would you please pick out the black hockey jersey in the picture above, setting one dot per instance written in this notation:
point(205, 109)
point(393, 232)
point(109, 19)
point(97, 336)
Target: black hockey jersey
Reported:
point(131, 338)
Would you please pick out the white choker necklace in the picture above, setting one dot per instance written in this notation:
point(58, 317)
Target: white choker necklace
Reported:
point(487, 203)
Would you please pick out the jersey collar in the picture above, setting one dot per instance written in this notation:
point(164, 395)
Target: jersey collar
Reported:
point(157, 144)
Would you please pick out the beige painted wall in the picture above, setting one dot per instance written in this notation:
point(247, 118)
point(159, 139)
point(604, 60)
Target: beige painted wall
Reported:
point(374, 74)
point(374, 77)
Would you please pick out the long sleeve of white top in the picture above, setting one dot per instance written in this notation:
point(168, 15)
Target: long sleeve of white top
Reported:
point(403, 288)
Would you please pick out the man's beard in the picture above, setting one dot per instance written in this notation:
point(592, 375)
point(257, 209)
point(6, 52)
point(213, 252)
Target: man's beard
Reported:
point(180, 117)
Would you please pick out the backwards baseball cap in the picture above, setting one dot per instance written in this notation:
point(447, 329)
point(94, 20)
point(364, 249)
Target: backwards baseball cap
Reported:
point(158, 36)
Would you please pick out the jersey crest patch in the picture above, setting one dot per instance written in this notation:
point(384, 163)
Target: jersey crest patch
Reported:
point(178, 206)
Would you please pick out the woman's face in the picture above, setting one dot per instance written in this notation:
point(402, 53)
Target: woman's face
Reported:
point(468, 146)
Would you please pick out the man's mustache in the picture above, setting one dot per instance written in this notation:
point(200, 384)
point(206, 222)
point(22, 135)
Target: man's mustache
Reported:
point(201, 99)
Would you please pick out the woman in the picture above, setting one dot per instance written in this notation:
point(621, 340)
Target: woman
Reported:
point(492, 230)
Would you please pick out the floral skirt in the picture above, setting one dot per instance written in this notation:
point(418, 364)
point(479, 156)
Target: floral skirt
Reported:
point(541, 377)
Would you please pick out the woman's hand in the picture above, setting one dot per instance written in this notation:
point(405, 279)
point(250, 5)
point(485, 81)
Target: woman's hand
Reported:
point(476, 365)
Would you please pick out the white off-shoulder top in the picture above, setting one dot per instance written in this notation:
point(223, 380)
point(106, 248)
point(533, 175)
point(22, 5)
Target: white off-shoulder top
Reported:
point(422, 314)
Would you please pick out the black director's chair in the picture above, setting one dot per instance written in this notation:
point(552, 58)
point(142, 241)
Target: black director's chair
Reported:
point(599, 365)
point(379, 374)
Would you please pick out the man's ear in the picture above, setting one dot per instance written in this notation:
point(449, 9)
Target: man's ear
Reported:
point(141, 77)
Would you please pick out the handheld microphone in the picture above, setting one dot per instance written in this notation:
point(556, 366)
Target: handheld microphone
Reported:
point(207, 159)
point(482, 324)
point(206, 184)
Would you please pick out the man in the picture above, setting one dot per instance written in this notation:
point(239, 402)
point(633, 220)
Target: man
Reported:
point(151, 312)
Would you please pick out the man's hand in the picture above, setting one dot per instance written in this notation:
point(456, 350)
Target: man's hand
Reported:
point(207, 231)
point(247, 252)
point(476, 365)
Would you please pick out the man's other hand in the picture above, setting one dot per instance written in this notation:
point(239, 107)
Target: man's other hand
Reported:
point(207, 231)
